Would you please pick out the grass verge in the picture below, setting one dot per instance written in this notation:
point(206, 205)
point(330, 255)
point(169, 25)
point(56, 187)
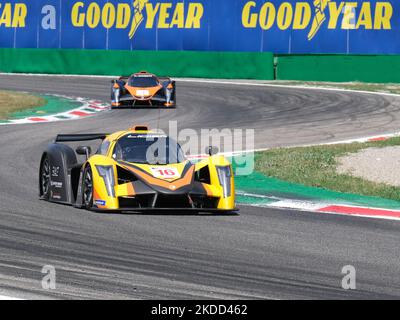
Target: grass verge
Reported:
point(316, 166)
point(11, 102)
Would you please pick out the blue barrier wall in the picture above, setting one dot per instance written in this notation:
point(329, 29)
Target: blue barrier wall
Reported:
point(306, 26)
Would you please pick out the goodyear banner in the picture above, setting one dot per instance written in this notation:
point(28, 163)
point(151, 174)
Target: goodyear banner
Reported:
point(304, 26)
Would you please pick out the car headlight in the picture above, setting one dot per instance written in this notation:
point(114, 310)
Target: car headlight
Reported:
point(117, 92)
point(224, 176)
point(168, 93)
point(107, 173)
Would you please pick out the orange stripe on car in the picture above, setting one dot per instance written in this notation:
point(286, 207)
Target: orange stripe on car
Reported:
point(174, 185)
point(208, 189)
point(130, 189)
point(96, 195)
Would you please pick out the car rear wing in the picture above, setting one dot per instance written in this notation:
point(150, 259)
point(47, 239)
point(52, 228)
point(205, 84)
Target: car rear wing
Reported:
point(80, 137)
point(124, 78)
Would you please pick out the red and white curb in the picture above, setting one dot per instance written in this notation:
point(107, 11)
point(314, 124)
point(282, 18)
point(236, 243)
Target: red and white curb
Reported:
point(319, 206)
point(381, 137)
point(341, 209)
point(325, 207)
point(88, 108)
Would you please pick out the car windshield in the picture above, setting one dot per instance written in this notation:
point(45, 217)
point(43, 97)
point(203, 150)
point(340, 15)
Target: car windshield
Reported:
point(148, 149)
point(143, 81)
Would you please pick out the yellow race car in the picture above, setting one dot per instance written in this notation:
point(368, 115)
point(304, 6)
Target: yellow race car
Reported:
point(134, 170)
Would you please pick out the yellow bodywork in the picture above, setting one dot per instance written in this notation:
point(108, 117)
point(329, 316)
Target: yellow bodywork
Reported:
point(104, 201)
point(214, 188)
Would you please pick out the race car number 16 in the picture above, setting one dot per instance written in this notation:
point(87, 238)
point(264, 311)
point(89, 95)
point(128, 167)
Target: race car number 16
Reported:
point(166, 173)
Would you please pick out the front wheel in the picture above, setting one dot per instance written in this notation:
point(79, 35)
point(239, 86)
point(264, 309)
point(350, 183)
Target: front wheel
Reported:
point(44, 183)
point(87, 188)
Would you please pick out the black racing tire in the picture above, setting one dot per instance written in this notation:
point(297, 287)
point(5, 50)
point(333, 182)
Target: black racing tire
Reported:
point(87, 188)
point(45, 178)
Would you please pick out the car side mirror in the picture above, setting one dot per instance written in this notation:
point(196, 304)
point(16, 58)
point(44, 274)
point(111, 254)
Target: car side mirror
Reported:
point(211, 150)
point(84, 151)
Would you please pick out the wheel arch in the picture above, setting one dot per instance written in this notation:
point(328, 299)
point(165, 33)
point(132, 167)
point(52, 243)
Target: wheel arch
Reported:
point(61, 159)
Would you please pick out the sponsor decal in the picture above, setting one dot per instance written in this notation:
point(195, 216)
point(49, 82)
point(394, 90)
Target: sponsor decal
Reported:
point(13, 15)
point(290, 26)
point(55, 171)
point(302, 15)
point(142, 93)
point(162, 15)
point(165, 172)
point(100, 202)
point(147, 136)
point(56, 195)
point(56, 184)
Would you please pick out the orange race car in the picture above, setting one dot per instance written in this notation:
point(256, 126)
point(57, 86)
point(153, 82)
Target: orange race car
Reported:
point(143, 89)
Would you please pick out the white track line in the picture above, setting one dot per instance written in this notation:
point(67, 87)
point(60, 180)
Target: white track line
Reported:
point(256, 84)
point(217, 81)
point(9, 298)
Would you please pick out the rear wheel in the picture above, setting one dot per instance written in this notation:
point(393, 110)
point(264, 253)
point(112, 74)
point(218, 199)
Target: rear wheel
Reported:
point(87, 188)
point(45, 182)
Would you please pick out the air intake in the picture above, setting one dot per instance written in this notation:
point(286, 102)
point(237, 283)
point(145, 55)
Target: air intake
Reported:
point(140, 128)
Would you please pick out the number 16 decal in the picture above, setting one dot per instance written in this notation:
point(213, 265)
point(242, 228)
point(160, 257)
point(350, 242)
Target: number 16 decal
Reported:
point(166, 173)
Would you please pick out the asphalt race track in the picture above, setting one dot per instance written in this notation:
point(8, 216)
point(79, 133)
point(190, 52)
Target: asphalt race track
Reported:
point(261, 253)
